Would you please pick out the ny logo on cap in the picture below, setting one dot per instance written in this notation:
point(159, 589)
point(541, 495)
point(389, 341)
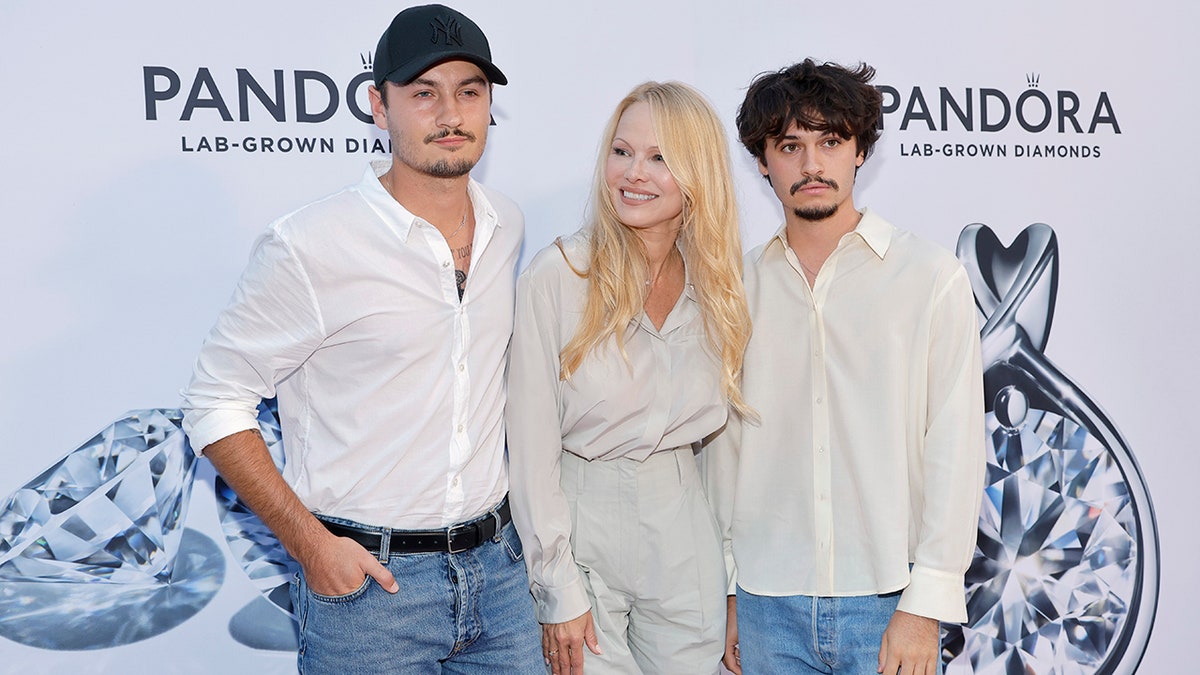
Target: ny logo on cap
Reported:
point(446, 31)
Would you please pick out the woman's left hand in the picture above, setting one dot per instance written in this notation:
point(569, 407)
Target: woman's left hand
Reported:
point(562, 644)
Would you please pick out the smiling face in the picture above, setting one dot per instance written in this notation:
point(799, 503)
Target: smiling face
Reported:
point(641, 187)
point(812, 172)
point(438, 123)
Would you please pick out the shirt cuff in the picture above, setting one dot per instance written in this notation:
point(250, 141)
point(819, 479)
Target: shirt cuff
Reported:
point(205, 427)
point(730, 574)
point(935, 594)
point(561, 604)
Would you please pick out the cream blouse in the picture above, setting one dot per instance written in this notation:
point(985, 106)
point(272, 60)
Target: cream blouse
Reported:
point(666, 396)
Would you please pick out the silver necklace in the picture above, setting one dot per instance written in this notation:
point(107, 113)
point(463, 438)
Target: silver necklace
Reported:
point(391, 191)
point(651, 282)
point(459, 228)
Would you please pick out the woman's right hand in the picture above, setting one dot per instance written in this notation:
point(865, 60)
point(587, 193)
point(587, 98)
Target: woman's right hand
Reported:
point(733, 655)
point(562, 644)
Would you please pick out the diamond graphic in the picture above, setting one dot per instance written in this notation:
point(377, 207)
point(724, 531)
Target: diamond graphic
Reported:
point(111, 510)
point(1057, 554)
point(1065, 576)
point(252, 544)
point(85, 616)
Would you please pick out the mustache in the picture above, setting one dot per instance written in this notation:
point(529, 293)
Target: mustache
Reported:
point(439, 135)
point(797, 186)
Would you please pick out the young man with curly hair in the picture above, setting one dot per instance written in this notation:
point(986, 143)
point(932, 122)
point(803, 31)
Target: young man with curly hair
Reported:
point(850, 506)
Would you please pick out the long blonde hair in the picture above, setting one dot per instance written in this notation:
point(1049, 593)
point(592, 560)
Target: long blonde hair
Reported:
point(696, 152)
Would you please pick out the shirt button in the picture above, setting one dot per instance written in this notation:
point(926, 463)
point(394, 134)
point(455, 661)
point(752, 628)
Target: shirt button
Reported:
point(455, 481)
point(821, 448)
point(460, 428)
point(462, 367)
point(446, 264)
point(819, 399)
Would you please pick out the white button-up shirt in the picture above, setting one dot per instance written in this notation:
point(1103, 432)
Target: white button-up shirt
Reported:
point(391, 390)
point(870, 451)
point(667, 395)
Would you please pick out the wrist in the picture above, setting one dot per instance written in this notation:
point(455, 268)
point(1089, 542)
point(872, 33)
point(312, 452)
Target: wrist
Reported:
point(308, 541)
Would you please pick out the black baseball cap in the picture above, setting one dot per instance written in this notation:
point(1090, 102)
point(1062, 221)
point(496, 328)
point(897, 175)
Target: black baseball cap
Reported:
point(422, 37)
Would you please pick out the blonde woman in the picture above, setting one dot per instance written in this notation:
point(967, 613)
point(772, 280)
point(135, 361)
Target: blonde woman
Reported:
point(626, 353)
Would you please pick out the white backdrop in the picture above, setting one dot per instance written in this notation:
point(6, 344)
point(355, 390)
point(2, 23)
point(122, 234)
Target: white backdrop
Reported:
point(119, 246)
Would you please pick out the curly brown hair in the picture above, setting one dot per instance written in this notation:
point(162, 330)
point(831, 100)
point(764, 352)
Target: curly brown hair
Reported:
point(818, 97)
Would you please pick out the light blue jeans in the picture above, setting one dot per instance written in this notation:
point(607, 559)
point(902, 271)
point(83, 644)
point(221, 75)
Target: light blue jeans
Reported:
point(805, 634)
point(467, 612)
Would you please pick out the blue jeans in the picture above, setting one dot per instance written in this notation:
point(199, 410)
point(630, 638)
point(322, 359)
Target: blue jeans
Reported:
point(805, 634)
point(467, 612)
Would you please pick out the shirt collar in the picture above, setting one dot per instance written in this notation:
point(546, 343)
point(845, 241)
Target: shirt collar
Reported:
point(400, 218)
point(779, 240)
point(689, 289)
point(872, 229)
point(876, 231)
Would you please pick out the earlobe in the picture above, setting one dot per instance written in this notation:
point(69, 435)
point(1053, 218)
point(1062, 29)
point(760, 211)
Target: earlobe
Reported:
point(762, 169)
point(378, 112)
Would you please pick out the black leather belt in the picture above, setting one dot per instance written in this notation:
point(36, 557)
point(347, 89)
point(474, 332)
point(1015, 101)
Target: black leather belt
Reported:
point(453, 539)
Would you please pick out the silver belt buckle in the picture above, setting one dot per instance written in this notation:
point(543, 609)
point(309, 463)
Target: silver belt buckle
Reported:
point(450, 538)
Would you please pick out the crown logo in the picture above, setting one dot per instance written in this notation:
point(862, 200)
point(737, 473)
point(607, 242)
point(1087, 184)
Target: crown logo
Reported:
point(1033, 79)
point(446, 31)
point(367, 62)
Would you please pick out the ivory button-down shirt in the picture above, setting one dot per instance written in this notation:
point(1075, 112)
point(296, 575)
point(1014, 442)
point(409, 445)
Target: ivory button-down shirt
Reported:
point(391, 390)
point(870, 451)
point(667, 395)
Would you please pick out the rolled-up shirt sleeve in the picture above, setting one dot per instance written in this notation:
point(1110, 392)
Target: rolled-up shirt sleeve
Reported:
point(271, 325)
point(953, 458)
point(540, 509)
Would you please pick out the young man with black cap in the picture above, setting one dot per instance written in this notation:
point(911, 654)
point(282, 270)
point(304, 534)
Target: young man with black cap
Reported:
point(850, 506)
point(380, 316)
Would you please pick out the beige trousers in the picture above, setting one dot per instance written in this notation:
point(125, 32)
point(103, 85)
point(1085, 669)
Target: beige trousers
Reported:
point(649, 551)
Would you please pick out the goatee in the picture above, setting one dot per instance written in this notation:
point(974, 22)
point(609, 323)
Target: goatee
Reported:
point(446, 169)
point(814, 213)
